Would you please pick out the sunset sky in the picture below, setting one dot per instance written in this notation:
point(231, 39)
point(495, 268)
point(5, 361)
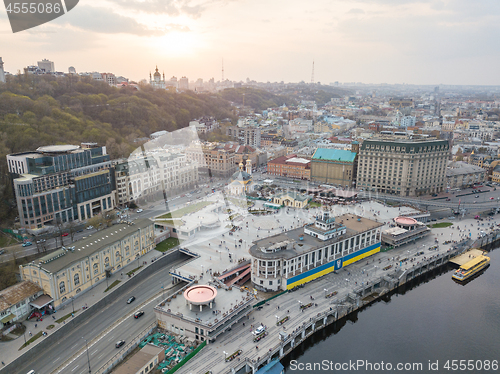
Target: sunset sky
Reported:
point(371, 41)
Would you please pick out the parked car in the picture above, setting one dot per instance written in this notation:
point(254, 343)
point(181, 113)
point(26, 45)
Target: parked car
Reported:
point(40, 241)
point(130, 299)
point(64, 234)
point(140, 210)
point(138, 314)
point(27, 244)
point(492, 198)
point(476, 196)
point(119, 343)
point(90, 227)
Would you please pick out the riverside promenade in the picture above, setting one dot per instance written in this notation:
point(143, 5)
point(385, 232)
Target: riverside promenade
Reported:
point(334, 296)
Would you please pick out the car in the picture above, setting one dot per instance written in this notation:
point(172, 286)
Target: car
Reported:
point(138, 314)
point(433, 220)
point(40, 241)
point(434, 194)
point(2, 251)
point(476, 196)
point(90, 227)
point(140, 210)
point(448, 199)
point(64, 234)
point(492, 198)
point(81, 230)
point(27, 244)
point(119, 343)
point(259, 330)
point(130, 299)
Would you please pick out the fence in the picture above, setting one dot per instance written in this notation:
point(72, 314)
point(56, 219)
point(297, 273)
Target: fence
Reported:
point(187, 358)
point(266, 300)
point(12, 233)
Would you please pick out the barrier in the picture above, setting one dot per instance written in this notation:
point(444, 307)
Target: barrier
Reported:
point(187, 358)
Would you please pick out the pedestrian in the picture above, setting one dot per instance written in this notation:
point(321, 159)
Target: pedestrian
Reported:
point(30, 333)
point(35, 325)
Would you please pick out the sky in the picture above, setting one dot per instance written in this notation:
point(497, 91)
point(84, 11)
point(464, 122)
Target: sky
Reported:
point(370, 41)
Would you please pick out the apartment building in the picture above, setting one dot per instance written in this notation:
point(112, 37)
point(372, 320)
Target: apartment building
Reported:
point(61, 183)
point(245, 135)
point(406, 167)
point(290, 166)
point(213, 161)
point(159, 173)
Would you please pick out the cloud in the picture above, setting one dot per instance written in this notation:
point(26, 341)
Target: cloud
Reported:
point(172, 8)
point(356, 11)
point(105, 21)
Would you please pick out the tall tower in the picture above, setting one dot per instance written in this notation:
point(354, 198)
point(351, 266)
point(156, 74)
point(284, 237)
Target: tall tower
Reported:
point(249, 166)
point(2, 73)
point(222, 70)
point(312, 75)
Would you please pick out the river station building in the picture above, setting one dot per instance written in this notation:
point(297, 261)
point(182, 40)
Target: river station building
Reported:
point(295, 257)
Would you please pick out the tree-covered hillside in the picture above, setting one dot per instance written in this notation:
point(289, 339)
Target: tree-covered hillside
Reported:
point(44, 110)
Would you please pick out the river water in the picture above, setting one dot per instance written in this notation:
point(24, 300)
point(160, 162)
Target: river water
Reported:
point(433, 320)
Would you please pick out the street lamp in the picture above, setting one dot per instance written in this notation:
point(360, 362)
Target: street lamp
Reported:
point(225, 354)
point(73, 304)
point(88, 357)
point(325, 291)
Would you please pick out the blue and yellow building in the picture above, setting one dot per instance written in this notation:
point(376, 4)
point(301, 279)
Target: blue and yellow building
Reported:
point(295, 257)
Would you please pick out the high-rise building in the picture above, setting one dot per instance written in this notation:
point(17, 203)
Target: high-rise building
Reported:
point(406, 167)
point(247, 135)
point(183, 83)
point(46, 65)
point(61, 183)
point(2, 72)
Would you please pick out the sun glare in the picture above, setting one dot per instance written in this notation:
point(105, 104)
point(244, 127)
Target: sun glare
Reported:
point(177, 43)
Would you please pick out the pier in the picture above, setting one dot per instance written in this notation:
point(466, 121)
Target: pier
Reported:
point(320, 303)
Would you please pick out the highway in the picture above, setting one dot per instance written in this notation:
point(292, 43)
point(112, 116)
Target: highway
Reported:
point(54, 358)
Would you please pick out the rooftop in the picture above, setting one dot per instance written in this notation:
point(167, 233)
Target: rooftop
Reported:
point(225, 300)
point(327, 154)
point(15, 294)
point(305, 243)
point(58, 148)
point(62, 258)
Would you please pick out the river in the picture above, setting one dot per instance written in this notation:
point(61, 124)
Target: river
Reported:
point(431, 321)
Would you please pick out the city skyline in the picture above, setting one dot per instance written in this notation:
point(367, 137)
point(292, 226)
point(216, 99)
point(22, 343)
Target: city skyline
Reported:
point(381, 41)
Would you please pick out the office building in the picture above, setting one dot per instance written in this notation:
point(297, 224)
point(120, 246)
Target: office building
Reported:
point(334, 166)
point(405, 167)
point(61, 183)
point(46, 65)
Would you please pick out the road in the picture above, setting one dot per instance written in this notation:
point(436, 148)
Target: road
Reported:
point(101, 350)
